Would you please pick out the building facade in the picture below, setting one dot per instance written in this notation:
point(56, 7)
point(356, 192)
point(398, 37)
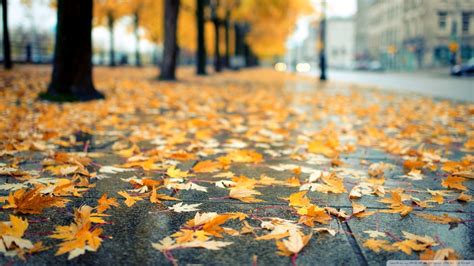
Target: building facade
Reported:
point(413, 34)
point(340, 42)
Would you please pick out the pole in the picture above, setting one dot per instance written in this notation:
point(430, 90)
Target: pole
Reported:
point(322, 38)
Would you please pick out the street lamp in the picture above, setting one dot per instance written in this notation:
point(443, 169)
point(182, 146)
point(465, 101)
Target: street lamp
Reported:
point(322, 42)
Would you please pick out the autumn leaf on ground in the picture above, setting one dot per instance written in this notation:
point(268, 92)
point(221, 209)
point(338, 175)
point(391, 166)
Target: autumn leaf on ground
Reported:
point(156, 198)
point(32, 202)
point(180, 207)
point(280, 228)
point(187, 235)
point(13, 243)
point(377, 245)
point(294, 244)
point(414, 242)
point(439, 255)
point(129, 200)
point(324, 148)
point(464, 197)
point(414, 174)
point(332, 184)
point(146, 165)
point(375, 234)
point(174, 172)
point(211, 222)
point(244, 194)
point(443, 219)
point(452, 167)
point(168, 244)
point(299, 199)
point(325, 230)
point(396, 204)
point(454, 182)
point(244, 156)
point(79, 236)
point(62, 170)
point(207, 167)
point(105, 203)
point(113, 170)
point(312, 213)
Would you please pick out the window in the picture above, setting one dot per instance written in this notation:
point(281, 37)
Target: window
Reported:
point(442, 20)
point(465, 22)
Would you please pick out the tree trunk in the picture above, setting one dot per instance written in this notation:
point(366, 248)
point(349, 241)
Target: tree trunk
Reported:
point(227, 40)
point(217, 54)
point(170, 51)
point(138, 59)
point(7, 59)
point(201, 40)
point(72, 66)
point(322, 50)
point(111, 22)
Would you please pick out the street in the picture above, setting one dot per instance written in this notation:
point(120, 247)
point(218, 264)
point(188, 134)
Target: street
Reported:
point(435, 83)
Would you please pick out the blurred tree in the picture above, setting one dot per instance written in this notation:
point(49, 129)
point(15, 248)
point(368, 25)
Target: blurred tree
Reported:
point(271, 22)
point(72, 68)
point(7, 59)
point(170, 49)
point(201, 37)
point(152, 20)
point(136, 9)
point(216, 21)
point(107, 12)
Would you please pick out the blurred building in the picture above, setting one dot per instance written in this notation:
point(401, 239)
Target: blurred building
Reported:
point(340, 42)
point(361, 21)
point(412, 34)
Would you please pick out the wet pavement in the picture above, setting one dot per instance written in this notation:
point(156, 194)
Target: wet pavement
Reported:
point(130, 231)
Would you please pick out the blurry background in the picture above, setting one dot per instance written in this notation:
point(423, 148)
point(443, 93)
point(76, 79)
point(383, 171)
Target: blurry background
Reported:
point(368, 35)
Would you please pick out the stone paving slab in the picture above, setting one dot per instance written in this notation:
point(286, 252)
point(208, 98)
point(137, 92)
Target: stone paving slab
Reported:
point(459, 238)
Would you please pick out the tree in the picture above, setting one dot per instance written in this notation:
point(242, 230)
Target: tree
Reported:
point(72, 66)
point(107, 12)
point(216, 21)
point(170, 51)
point(227, 39)
point(270, 23)
point(7, 59)
point(201, 45)
point(136, 9)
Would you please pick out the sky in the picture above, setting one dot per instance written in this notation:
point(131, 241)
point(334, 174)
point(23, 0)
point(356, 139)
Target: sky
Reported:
point(44, 18)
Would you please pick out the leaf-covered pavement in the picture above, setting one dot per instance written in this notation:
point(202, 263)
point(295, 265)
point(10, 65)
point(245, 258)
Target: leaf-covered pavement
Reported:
point(249, 167)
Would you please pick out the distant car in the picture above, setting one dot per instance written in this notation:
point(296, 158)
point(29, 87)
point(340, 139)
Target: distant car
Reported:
point(361, 65)
point(375, 66)
point(463, 70)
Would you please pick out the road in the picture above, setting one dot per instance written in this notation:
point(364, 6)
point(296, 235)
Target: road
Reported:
point(435, 83)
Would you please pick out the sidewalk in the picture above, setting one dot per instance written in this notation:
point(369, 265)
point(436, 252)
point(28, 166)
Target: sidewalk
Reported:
point(432, 83)
point(236, 149)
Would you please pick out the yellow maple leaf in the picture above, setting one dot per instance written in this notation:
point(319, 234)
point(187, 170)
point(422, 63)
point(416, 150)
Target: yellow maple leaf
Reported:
point(78, 236)
point(105, 203)
point(294, 244)
point(174, 172)
point(129, 200)
point(207, 167)
point(454, 182)
point(299, 199)
point(377, 245)
point(32, 202)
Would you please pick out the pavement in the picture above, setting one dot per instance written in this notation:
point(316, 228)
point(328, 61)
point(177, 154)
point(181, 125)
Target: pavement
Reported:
point(275, 115)
point(435, 83)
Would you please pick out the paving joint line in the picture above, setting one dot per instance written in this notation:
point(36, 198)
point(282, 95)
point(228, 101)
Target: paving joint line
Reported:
point(354, 244)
